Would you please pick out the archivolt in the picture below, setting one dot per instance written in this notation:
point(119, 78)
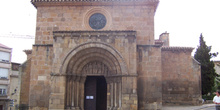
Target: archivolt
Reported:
point(83, 54)
point(83, 58)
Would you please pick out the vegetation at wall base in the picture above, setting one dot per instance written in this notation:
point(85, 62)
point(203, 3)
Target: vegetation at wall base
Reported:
point(208, 97)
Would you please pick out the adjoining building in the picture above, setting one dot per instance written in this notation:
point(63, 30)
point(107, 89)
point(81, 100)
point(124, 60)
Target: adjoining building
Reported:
point(217, 67)
point(24, 78)
point(14, 86)
point(9, 80)
point(5, 70)
point(102, 55)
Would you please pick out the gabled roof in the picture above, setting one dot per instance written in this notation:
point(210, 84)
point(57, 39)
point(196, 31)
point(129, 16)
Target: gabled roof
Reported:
point(3, 46)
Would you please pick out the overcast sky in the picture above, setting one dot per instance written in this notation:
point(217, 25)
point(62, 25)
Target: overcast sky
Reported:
point(185, 20)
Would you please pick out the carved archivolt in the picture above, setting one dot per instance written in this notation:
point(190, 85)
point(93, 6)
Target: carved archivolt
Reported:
point(78, 57)
point(96, 68)
point(91, 60)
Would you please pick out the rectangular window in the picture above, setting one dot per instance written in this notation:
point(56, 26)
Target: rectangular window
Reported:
point(3, 90)
point(3, 73)
point(4, 56)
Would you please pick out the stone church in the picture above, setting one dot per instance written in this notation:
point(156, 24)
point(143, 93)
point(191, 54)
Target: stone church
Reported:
point(102, 55)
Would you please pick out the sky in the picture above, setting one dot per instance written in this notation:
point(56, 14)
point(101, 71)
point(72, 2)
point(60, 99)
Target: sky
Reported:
point(184, 20)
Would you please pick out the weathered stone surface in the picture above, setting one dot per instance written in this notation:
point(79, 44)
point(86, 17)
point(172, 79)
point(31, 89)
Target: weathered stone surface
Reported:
point(73, 18)
point(149, 79)
point(181, 78)
point(25, 82)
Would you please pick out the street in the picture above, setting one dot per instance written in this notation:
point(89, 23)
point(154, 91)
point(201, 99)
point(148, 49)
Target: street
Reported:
point(208, 108)
point(202, 107)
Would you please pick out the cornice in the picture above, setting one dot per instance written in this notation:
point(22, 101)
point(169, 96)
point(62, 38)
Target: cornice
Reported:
point(40, 3)
point(177, 48)
point(43, 45)
point(80, 34)
point(28, 51)
point(158, 42)
point(91, 33)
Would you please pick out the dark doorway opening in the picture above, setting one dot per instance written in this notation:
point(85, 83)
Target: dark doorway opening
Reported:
point(95, 93)
point(1, 107)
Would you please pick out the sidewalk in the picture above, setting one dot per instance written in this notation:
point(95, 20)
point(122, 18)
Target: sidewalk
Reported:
point(188, 107)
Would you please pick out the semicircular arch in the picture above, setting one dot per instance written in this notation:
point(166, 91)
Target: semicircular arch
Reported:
point(111, 65)
point(88, 55)
point(110, 55)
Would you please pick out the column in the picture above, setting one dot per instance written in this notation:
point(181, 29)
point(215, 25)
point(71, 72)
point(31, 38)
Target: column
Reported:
point(108, 96)
point(119, 93)
point(115, 95)
point(77, 93)
point(108, 81)
point(72, 92)
point(67, 92)
point(82, 84)
point(112, 95)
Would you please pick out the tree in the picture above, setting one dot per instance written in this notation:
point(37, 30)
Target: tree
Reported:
point(208, 73)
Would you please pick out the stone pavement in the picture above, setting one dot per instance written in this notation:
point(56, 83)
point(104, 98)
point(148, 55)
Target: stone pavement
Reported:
point(201, 107)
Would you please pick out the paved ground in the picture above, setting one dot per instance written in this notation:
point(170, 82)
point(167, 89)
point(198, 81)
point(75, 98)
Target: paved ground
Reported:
point(201, 107)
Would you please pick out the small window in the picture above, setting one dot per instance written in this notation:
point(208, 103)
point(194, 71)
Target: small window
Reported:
point(3, 73)
point(4, 56)
point(3, 90)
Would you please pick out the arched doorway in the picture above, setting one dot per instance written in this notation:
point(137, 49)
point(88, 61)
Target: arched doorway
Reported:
point(93, 67)
point(95, 93)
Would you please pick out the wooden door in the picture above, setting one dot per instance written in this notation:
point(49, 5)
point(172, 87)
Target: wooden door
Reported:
point(95, 93)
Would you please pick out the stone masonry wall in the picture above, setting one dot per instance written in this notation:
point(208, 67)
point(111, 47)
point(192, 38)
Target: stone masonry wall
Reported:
point(25, 83)
point(129, 94)
point(41, 63)
point(149, 79)
point(181, 77)
point(73, 18)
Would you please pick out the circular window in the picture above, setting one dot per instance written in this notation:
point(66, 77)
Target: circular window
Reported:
point(97, 21)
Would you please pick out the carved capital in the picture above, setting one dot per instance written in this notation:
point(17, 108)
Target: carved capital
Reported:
point(82, 79)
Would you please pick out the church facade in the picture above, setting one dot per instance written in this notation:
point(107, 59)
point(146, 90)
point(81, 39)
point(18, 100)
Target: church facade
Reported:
point(102, 55)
